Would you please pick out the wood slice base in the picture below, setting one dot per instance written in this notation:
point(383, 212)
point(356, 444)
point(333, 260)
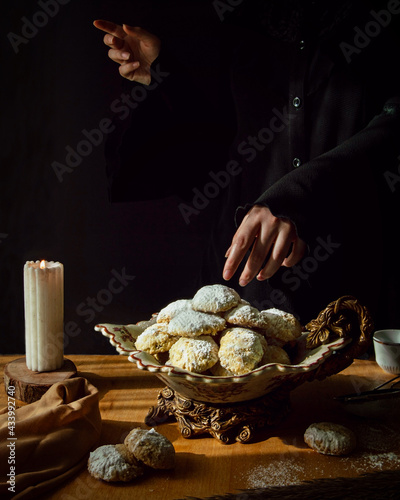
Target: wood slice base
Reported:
point(225, 422)
point(29, 385)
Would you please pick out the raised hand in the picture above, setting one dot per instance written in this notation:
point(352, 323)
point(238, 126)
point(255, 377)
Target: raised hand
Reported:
point(133, 48)
point(274, 243)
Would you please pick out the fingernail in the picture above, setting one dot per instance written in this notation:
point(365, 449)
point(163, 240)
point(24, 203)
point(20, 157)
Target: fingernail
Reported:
point(226, 275)
point(125, 55)
point(243, 282)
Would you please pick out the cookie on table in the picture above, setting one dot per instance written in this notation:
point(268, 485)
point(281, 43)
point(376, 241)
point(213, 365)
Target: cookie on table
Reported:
point(194, 354)
point(246, 316)
point(113, 463)
point(330, 439)
point(172, 309)
point(215, 299)
point(282, 325)
point(240, 350)
point(191, 323)
point(151, 448)
point(155, 340)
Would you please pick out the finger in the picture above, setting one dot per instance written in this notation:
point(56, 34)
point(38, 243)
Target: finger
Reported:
point(242, 241)
point(261, 247)
point(279, 252)
point(110, 27)
point(127, 70)
point(114, 42)
point(119, 56)
point(232, 262)
point(297, 253)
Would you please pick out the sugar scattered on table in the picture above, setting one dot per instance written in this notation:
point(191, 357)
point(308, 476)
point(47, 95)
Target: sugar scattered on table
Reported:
point(279, 473)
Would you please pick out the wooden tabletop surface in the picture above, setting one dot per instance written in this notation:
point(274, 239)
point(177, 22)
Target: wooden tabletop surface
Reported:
point(206, 467)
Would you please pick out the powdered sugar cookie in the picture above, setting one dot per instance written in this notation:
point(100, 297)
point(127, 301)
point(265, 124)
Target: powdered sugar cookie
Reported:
point(281, 325)
point(219, 371)
point(246, 316)
point(155, 340)
point(263, 340)
point(215, 298)
point(145, 324)
point(194, 354)
point(240, 350)
point(194, 323)
point(330, 439)
point(151, 448)
point(113, 463)
point(275, 354)
point(172, 309)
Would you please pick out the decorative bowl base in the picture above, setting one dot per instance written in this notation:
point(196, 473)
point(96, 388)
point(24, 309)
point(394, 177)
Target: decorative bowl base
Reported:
point(225, 422)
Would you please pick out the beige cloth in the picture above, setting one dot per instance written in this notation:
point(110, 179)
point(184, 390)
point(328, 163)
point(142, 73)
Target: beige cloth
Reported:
point(53, 438)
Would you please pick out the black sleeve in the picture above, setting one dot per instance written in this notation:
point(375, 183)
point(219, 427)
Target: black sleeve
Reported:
point(327, 190)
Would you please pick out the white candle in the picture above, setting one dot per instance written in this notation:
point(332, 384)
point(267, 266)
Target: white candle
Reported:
point(44, 315)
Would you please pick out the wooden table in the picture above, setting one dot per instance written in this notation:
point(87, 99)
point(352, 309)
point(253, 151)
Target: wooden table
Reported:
point(206, 467)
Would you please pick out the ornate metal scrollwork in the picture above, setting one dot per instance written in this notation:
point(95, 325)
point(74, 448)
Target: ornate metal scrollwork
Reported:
point(224, 422)
point(345, 317)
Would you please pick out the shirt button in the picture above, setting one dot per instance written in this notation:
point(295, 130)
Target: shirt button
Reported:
point(296, 162)
point(302, 44)
point(296, 102)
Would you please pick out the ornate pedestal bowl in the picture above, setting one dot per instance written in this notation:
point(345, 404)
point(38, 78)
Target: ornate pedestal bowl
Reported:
point(232, 408)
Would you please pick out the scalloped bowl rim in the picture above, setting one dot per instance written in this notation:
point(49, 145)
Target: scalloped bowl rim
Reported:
point(147, 362)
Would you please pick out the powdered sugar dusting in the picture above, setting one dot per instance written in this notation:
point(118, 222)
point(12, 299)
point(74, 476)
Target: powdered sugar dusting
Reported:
point(377, 443)
point(172, 309)
point(246, 315)
point(215, 298)
point(240, 350)
point(281, 324)
point(190, 323)
point(194, 354)
point(278, 473)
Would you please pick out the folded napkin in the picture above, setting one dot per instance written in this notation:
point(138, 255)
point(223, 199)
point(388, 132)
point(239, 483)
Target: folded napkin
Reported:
point(53, 437)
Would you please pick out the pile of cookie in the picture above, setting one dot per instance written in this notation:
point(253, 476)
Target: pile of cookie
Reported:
point(142, 451)
point(218, 333)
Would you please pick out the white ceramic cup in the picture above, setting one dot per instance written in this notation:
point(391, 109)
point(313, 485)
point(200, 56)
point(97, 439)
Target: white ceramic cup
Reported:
point(387, 350)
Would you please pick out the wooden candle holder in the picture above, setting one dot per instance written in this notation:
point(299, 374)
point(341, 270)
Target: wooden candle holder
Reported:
point(29, 385)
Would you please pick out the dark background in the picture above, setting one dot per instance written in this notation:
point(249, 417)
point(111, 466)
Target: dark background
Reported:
point(58, 84)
